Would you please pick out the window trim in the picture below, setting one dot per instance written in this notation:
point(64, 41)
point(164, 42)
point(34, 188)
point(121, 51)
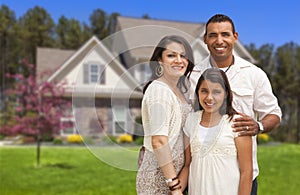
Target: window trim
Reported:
point(89, 74)
point(68, 119)
point(115, 120)
point(142, 72)
point(92, 73)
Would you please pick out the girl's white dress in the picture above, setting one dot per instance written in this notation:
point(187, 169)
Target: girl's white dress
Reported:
point(214, 169)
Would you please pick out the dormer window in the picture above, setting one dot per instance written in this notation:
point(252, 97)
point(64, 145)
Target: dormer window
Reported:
point(94, 73)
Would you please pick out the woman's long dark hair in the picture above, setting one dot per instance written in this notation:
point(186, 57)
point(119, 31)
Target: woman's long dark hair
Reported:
point(157, 55)
point(216, 75)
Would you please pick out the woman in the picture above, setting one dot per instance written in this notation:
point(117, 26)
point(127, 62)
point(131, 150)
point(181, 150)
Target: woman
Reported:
point(164, 108)
point(221, 160)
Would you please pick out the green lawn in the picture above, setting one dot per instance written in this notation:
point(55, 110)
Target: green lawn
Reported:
point(63, 170)
point(78, 170)
point(279, 170)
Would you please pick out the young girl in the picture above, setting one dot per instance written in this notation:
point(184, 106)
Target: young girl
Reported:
point(221, 161)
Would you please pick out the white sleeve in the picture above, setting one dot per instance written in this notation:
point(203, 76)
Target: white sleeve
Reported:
point(188, 127)
point(265, 101)
point(159, 108)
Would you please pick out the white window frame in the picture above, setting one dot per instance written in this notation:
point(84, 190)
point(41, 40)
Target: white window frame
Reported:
point(99, 73)
point(68, 119)
point(119, 119)
point(142, 72)
point(93, 73)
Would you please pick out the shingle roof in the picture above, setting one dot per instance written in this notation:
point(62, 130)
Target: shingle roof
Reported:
point(50, 59)
point(138, 36)
point(193, 29)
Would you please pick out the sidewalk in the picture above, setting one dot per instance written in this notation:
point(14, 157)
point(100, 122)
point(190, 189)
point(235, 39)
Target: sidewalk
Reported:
point(3, 143)
point(11, 140)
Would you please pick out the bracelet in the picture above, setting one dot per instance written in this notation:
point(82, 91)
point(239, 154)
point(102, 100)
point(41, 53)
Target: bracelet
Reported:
point(173, 187)
point(170, 180)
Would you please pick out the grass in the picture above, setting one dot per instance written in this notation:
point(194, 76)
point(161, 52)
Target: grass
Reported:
point(279, 169)
point(78, 170)
point(63, 170)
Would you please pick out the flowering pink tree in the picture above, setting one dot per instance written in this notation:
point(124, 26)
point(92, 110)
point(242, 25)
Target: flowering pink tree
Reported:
point(39, 107)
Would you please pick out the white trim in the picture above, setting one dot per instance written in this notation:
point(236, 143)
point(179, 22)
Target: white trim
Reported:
point(121, 119)
point(73, 57)
point(142, 72)
point(68, 119)
point(95, 44)
point(93, 73)
point(98, 74)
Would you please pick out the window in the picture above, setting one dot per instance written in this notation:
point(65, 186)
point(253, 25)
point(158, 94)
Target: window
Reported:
point(142, 72)
point(119, 120)
point(94, 73)
point(68, 126)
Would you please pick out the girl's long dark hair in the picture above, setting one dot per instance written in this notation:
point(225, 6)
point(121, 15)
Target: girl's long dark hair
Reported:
point(157, 55)
point(216, 75)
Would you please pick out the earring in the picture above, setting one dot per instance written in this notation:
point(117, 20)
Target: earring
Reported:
point(159, 70)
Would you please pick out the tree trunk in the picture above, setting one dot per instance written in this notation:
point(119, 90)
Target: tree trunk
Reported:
point(38, 150)
point(298, 120)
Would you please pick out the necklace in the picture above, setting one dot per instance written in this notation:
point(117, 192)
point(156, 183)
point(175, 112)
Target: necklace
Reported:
point(228, 68)
point(212, 60)
point(225, 69)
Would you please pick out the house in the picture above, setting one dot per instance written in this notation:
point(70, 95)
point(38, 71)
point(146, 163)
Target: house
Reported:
point(105, 77)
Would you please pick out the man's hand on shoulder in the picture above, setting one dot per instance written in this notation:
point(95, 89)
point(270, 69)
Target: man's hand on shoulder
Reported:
point(245, 125)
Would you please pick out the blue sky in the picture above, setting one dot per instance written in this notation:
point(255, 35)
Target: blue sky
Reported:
point(257, 21)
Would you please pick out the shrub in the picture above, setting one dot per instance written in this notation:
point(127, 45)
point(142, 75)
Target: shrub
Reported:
point(139, 140)
point(88, 140)
point(125, 138)
point(109, 139)
point(74, 138)
point(57, 141)
point(47, 137)
point(112, 138)
point(263, 138)
point(139, 120)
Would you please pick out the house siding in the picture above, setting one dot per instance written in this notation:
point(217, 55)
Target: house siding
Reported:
point(97, 120)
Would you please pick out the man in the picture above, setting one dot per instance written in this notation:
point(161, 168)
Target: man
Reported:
point(252, 92)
